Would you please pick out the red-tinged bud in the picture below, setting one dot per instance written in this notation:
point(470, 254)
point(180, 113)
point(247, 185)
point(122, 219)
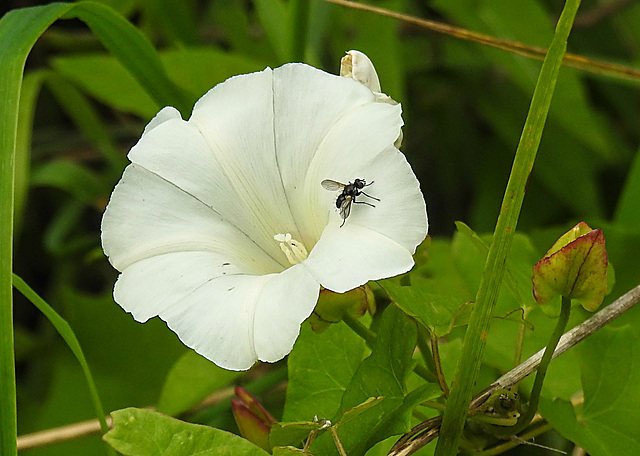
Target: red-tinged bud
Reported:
point(252, 418)
point(332, 307)
point(575, 268)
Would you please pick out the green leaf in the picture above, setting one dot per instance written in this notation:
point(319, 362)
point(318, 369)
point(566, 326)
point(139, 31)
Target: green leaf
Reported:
point(289, 451)
point(197, 70)
point(141, 355)
point(439, 313)
point(274, 17)
point(518, 268)
point(384, 372)
point(381, 375)
point(134, 51)
point(320, 368)
point(608, 423)
point(87, 120)
point(176, 18)
point(104, 77)
point(469, 255)
point(138, 432)
point(503, 18)
point(628, 210)
point(191, 379)
point(284, 434)
point(376, 419)
point(83, 184)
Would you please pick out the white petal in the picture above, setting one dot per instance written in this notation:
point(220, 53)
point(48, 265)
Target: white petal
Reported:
point(375, 242)
point(177, 152)
point(286, 301)
point(348, 257)
point(401, 213)
point(150, 286)
point(236, 120)
point(233, 320)
point(166, 113)
point(149, 216)
point(341, 125)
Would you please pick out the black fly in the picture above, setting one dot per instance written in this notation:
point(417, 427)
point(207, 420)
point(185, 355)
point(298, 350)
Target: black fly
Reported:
point(348, 195)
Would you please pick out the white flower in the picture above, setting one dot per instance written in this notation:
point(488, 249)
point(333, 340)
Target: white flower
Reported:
point(220, 225)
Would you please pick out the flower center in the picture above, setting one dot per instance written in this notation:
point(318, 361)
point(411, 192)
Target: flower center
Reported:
point(294, 250)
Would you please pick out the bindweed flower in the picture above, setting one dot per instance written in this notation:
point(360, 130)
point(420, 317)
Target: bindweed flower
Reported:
point(575, 267)
point(221, 227)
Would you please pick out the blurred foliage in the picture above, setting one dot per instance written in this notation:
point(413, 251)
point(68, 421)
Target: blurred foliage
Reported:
point(464, 106)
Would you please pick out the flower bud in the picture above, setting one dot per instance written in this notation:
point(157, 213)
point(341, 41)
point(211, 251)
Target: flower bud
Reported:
point(252, 418)
point(357, 65)
point(575, 268)
point(332, 307)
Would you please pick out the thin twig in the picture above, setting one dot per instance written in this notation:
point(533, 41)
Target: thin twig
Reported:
point(600, 12)
point(568, 340)
point(534, 52)
point(92, 427)
point(60, 434)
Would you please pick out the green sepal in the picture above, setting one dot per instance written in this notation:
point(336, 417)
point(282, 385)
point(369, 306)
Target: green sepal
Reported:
point(575, 268)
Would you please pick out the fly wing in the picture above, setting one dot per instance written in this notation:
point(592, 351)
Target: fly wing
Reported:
point(345, 207)
point(332, 185)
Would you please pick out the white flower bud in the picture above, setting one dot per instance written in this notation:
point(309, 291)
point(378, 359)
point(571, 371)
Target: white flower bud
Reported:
point(358, 66)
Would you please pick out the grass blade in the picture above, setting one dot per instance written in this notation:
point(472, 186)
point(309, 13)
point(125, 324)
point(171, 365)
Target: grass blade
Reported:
point(70, 338)
point(19, 30)
point(475, 337)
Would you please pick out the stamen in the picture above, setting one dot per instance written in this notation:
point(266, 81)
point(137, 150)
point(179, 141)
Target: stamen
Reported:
point(294, 250)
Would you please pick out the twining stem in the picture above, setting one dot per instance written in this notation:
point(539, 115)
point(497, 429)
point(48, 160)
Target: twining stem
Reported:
point(336, 440)
point(520, 343)
point(427, 356)
point(436, 358)
point(534, 399)
point(360, 329)
point(503, 447)
point(476, 334)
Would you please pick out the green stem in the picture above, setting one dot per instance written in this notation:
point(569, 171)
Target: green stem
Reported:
point(532, 407)
point(520, 343)
point(360, 329)
point(439, 372)
point(503, 447)
point(473, 346)
point(299, 27)
point(425, 352)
